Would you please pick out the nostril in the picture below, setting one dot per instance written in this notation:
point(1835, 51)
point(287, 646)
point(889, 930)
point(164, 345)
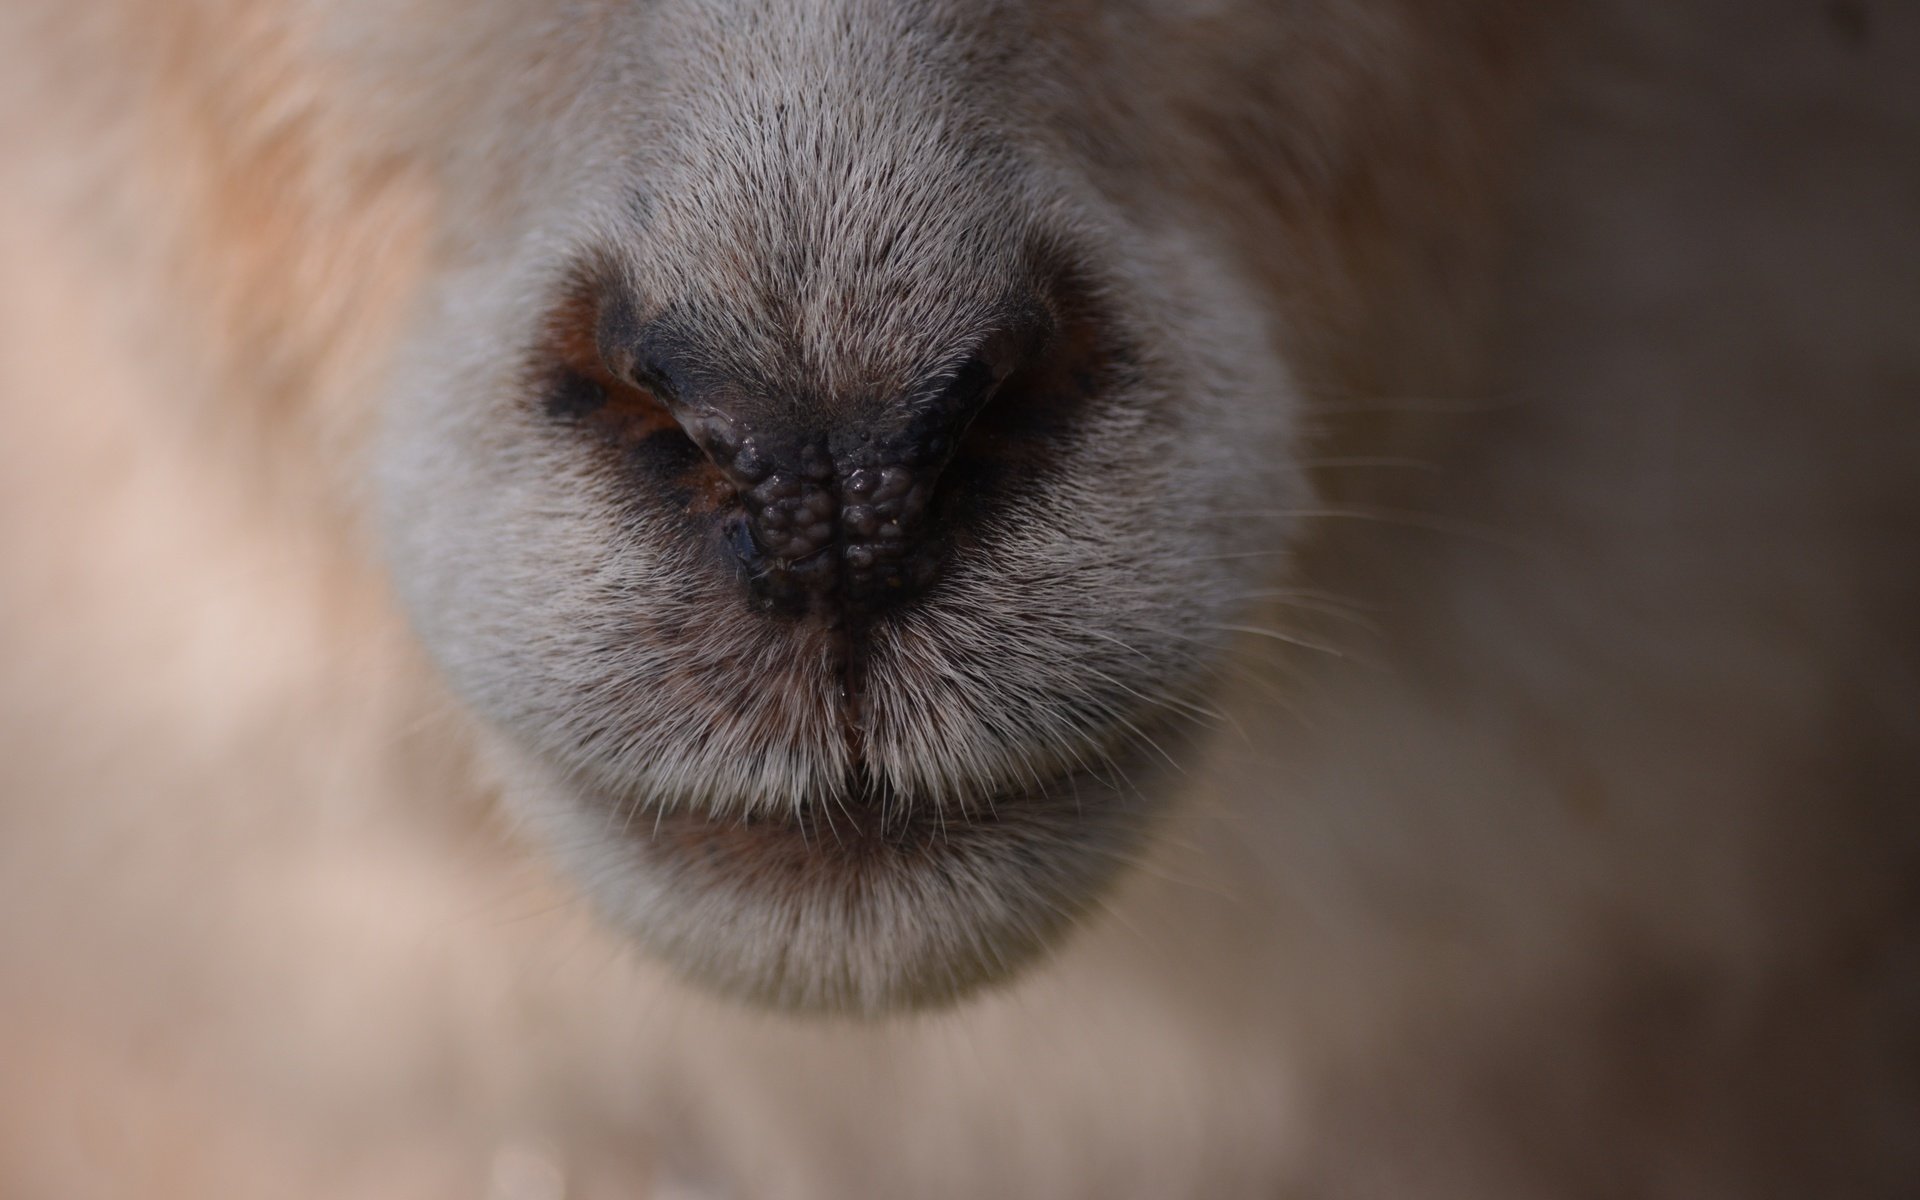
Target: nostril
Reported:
point(616, 402)
point(624, 416)
point(1070, 359)
point(740, 541)
point(973, 384)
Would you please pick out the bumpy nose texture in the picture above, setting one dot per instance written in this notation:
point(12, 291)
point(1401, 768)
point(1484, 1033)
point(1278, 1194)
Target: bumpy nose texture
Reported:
point(792, 512)
point(833, 512)
point(885, 509)
point(841, 535)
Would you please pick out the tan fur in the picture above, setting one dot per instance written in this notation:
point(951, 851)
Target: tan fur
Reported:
point(1554, 835)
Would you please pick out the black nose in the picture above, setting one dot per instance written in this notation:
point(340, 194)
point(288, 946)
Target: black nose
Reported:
point(833, 515)
point(832, 494)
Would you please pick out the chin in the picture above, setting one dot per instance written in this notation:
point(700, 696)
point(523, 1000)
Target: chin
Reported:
point(854, 905)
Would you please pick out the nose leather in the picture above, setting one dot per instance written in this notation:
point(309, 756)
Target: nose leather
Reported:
point(835, 520)
point(834, 494)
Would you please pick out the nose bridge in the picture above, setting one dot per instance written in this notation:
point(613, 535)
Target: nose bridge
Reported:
point(826, 392)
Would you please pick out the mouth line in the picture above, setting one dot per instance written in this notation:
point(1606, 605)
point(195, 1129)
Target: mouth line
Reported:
point(879, 907)
point(865, 814)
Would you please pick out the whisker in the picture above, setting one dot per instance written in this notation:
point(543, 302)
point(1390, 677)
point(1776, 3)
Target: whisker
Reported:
point(1171, 702)
point(1337, 610)
point(1404, 518)
point(1278, 636)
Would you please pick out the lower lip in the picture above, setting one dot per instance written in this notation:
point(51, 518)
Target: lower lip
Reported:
point(875, 908)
